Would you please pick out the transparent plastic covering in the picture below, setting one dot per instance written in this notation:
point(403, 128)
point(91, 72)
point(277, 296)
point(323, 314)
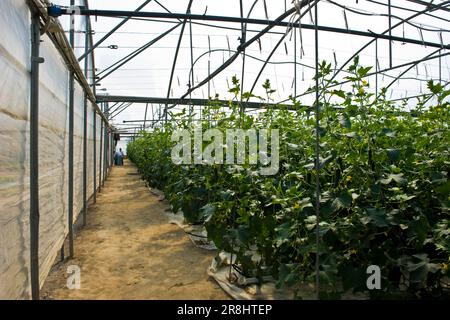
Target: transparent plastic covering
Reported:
point(403, 58)
point(346, 28)
point(53, 151)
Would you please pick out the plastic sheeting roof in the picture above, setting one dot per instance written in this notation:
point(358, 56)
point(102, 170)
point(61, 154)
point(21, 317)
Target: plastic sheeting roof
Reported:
point(148, 75)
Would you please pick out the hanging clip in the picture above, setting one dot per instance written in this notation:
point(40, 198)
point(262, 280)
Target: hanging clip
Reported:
point(38, 59)
point(335, 59)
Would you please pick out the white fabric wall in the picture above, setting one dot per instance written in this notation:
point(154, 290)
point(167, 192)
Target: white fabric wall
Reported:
point(53, 151)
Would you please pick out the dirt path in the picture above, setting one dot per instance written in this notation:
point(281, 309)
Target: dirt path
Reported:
point(128, 250)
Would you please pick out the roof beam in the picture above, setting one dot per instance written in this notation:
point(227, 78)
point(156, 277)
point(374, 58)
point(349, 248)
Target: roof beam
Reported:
point(186, 101)
point(56, 11)
point(99, 42)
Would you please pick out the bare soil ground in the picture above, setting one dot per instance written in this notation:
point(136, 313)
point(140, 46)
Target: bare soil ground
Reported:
point(128, 250)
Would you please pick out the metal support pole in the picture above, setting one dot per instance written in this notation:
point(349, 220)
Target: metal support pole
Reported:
point(390, 33)
point(241, 7)
point(191, 80)
point(34, 155)
point(145, 116)
point(209, 82)
point(95, 155)
point(376, 67)
point(100, 176)
point(85, 162)
point(110, 151)
point(113, 148)
point(106, 151)
point(105, 154)
point(317, 151)
point(153, 115)
point(71, 137)
point(295, 63)
point(85, 131)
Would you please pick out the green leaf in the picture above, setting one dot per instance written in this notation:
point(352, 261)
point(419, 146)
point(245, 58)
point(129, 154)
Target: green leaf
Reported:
point(397, 177)
point(419, 228)
point(324, 161)
point(419, 267)
point(344, 121)
point(434, 88)
point(243, 235)
point(310, 222)
point(339, 93)
point(353, 278)
point(344, 201)
point(378, 216)
point(443, 189)
point(310, 166)
point(351, 135)
point(389, 132)
point(282, 233)
point(393, 154)
point(293, 146)
point(362, 71)
point(285, 275)
point(206, 212)
point(444, 95)
point(304, 203)
point(324, 227)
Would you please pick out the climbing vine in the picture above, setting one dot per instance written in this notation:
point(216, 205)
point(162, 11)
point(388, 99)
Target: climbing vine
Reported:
point(384, 190)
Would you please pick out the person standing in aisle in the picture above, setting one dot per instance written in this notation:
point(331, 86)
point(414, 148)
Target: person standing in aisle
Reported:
point(118, 160)
point(122, 155)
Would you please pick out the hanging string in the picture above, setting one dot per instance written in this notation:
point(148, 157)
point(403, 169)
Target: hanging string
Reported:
point(265, 10)
point(310, 14)
point(209, 45)
point(403, 31)
point(421, 36)
point(298, 8)
point(335, 59)
point(345, 19)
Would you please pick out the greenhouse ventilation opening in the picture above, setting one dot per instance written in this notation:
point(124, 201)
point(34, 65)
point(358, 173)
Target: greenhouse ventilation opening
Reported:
point(70, 94)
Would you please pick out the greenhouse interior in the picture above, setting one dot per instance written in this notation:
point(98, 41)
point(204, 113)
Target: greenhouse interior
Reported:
point(225, 150)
